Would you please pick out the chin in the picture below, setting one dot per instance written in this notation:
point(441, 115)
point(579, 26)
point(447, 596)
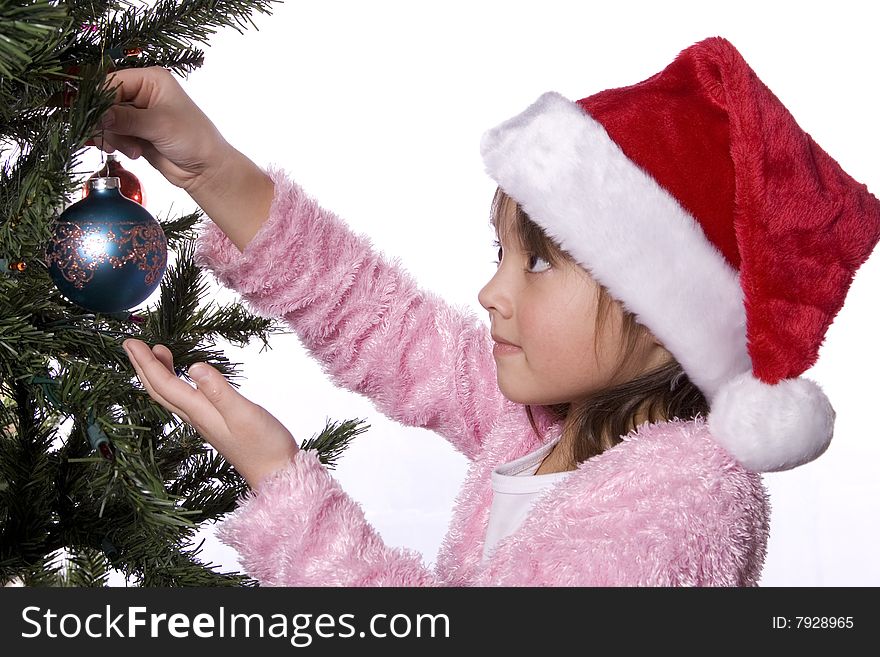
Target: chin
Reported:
point(512, 395)
point(523, 397)
point(537, 395)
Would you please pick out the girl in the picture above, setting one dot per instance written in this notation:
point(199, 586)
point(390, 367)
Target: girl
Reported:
point(670, 256)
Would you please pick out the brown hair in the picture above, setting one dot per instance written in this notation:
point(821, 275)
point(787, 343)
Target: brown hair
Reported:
point(601, 419)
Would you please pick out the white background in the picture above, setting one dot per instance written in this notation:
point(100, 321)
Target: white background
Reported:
point(377, 109)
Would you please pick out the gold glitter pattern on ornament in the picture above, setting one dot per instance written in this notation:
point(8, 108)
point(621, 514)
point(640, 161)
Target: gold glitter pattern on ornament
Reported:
point(71, 240)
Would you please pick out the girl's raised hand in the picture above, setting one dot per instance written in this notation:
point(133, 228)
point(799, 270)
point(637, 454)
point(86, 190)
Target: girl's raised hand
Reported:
point(153, 116)
point(248, 436)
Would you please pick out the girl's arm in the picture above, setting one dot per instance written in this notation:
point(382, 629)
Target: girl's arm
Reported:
point(299, 528)
point(667, 507)
point(296, 526)
point(423, 362)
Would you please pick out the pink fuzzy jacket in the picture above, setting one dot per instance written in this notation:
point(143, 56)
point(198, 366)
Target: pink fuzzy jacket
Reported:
point(666, 507)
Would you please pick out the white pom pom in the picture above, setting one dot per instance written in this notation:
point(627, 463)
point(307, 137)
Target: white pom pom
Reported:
point(769, 428)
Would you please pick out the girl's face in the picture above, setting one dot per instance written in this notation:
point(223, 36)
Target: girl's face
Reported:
point(547, 314)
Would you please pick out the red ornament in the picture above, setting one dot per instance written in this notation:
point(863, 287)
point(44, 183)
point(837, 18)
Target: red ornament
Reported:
point(129, 185)
point(106, 451)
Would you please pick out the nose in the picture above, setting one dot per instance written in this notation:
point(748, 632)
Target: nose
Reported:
point(496, 296)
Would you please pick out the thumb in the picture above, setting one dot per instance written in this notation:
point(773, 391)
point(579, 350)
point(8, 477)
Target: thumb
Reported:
point(213, 385)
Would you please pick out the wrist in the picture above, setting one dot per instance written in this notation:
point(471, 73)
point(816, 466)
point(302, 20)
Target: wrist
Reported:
point(236, 195)
point(220, 166)
point(267, 468)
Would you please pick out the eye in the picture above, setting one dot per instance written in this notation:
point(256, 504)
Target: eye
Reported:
point(500, 253)
point(537, 264)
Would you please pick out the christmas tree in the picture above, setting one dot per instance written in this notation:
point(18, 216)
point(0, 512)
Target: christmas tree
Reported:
point(94, 475)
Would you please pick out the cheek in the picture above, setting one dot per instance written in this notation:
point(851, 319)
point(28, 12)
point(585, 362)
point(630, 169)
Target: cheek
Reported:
point(561, 340)
point(573, 358)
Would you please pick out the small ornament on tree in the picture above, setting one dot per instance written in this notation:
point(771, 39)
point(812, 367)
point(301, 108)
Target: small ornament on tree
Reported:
point(98, 439)
point(17, 266)
point(129, 185)
point(107, 253)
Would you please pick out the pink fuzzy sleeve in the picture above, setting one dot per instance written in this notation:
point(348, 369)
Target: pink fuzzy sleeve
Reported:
point(423, 362)
point(299, 528)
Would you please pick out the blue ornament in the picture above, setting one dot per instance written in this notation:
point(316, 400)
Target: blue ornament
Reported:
point(107, 252)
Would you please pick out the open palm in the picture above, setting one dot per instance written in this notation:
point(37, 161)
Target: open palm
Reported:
point(246, 434)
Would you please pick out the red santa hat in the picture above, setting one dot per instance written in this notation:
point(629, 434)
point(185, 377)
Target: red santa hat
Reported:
point(699, 203)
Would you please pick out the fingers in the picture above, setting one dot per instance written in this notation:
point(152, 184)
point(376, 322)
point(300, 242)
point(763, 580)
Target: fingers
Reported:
point(136, 93)
point(109, 142)
point(235, 409)
point(165, 356)
point(127, 84)
point(136, 85)
point(248, 437)
point(143, 362)
point(201, 408)
point(126, 120)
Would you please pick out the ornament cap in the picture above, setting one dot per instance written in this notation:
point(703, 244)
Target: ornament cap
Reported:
point(110, 182)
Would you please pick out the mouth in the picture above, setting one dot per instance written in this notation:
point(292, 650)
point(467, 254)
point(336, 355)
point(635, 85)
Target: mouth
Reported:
point(504, 348)
point(500, 340)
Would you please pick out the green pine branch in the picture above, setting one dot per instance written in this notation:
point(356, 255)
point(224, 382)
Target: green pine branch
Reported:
point(334, 439)
point(29, 33)
point(87, 568)
point(165, 34)
point(69, 516)
point(173, 24)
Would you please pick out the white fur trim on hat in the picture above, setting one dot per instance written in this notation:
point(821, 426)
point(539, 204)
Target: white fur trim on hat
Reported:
point(768, 428)
point(634, 237)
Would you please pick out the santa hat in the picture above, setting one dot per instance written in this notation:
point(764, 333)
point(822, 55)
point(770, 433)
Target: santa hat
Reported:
point(699, 203)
